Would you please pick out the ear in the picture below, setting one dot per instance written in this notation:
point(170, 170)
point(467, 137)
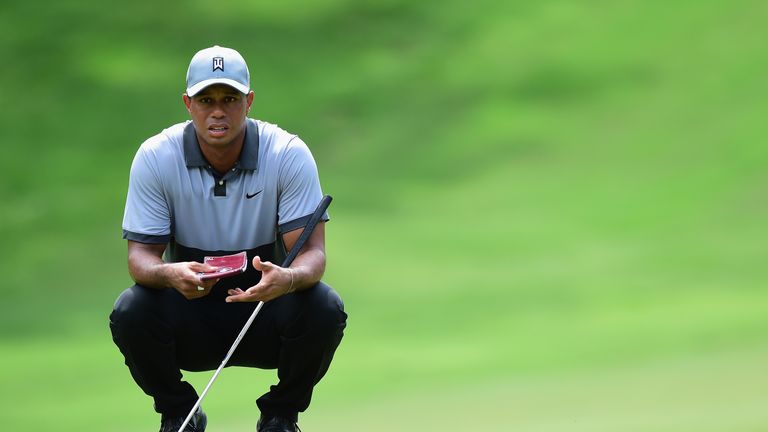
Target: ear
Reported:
point(249, 100)
point(187, 102)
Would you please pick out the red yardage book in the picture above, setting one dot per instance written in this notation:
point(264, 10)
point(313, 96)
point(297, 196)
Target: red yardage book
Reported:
point(227, 265)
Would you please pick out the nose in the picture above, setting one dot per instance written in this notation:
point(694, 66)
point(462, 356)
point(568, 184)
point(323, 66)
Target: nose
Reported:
point(218, 111)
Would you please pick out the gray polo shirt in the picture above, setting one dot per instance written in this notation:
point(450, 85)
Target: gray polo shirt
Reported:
point(175, 197)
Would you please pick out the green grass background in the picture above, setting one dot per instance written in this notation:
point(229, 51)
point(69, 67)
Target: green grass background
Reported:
point(548, 216)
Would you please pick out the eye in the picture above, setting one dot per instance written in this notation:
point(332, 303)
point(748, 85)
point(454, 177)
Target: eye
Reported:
point(204, 100)
point(230, 99)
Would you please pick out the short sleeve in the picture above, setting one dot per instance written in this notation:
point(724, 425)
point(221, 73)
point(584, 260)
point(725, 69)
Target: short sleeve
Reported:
point(147, 216)
point(299, 187)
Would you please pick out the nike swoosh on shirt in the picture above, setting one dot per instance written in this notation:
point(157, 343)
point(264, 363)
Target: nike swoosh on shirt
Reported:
point(249, 196)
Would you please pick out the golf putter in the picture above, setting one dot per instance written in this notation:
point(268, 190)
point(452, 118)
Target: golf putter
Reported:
point(311, 224)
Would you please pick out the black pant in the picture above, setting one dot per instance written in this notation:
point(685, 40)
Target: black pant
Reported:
point(160, 332)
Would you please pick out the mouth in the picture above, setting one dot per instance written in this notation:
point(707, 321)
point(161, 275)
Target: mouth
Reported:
point(217, 130)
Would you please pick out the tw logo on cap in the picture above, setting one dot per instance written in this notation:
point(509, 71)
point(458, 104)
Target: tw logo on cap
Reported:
point(218, 64)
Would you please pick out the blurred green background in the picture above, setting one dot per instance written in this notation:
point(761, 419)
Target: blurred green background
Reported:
point(548, 216)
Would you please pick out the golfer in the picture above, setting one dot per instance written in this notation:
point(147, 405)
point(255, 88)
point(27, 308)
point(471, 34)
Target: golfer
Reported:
point(220, 184)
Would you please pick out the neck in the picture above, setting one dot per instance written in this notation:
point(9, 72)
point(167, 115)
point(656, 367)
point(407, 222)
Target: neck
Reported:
point(223, 158)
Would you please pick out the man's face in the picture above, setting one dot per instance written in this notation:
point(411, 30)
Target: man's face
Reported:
point(218, 112)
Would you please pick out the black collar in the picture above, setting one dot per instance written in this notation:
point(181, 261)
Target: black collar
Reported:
point(249, 156)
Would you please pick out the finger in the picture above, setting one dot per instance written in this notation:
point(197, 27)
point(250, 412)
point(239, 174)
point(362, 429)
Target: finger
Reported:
point(251, 294)
point(198, 290)
point(241, 297)
point(256, 262)
point(203, 277)
point(234, 298)
point(265, 266)
point(201, 267)
point(191, 292)
point(208, 283)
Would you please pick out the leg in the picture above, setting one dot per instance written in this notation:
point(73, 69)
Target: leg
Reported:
point(158, 332)
point(298, 334)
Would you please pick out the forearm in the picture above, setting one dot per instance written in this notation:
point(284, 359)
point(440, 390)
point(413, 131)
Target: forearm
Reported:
point(149, 271)
point(307, 269)
point(146, 265)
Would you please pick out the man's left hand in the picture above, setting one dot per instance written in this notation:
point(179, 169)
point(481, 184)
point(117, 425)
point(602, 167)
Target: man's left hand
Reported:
point(275, 282)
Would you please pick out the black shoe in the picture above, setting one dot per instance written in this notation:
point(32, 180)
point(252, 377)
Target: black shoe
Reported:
point(276, 424)
point(196, 423)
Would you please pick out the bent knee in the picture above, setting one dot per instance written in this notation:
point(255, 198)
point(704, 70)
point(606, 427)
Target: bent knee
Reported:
point(327, 310)
point(131, 307)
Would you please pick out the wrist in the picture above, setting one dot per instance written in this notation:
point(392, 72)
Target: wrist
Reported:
point(167, 274)
point(292, 286)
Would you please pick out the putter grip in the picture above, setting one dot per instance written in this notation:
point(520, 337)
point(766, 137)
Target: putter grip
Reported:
point(313, 220)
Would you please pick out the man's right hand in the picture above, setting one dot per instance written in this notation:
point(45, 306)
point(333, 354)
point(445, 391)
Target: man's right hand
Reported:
point(184, 278)
point(146, 265)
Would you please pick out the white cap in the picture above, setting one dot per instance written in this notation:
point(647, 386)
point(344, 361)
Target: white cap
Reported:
point(218, 65)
